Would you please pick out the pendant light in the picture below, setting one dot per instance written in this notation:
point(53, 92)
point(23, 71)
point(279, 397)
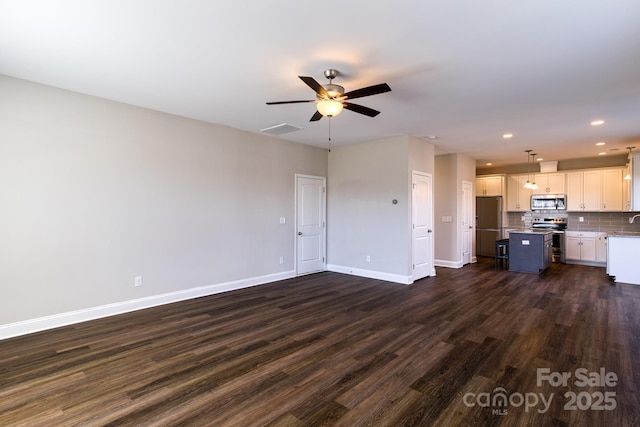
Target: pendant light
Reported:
point(534, 186)
point(528, 184)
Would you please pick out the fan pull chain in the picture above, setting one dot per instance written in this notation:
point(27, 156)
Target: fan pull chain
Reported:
point(329, 133)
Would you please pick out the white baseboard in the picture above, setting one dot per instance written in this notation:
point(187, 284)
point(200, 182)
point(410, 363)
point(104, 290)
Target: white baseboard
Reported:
point(448, 264)
point(396, 278)
point(63, 319)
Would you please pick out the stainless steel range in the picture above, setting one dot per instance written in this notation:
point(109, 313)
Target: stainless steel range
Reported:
point(557, 224)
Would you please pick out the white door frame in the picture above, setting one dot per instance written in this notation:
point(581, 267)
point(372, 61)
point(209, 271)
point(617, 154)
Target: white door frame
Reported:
point(324, 221)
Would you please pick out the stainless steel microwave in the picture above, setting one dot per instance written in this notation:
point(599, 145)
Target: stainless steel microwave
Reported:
point(551, 202)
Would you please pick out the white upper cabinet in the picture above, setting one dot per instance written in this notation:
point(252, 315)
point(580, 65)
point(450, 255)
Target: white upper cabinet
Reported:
point(612, 190)
point(490, 185)
point(635, 182)
point(550, 183)
point(595, 190)
point(583, 190)
point(518, 197)
point(627, 200)
point(588, 190)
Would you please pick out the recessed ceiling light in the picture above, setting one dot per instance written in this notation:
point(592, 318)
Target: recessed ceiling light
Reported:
point(600, 143)
point(602, 154)
point(507, 135)
point(539, 159)
point(431, 137)
point(489, 164)
point(597, 122)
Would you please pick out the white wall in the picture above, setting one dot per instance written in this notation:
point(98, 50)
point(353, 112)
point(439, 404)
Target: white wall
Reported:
point(451, 170)
point(93, 193)
point(363, 181)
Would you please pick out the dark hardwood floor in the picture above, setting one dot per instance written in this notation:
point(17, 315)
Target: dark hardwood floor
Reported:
point(331, 349)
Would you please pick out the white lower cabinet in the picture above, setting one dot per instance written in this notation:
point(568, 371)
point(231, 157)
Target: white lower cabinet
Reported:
point(601, 247)
point(588, 247)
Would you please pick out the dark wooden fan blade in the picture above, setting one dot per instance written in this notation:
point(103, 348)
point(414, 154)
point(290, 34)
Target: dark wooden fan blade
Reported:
point(316, 116)
point(361, 109)
point(313, 84)
point(290, 102)
point(368, 91)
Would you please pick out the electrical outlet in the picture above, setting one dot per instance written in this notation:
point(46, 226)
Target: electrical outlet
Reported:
point(581, 219)
point(137, 282)
point(368, 258)
point(282, 220)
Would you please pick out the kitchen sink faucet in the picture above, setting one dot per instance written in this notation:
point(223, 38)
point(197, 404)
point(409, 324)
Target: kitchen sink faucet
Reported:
point(632, 218)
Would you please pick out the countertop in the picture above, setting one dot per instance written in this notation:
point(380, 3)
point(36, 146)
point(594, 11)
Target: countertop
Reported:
point(624, 234)
point(530, 231)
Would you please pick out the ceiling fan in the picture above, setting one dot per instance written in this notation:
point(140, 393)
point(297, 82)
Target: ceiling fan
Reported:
point(331, 98)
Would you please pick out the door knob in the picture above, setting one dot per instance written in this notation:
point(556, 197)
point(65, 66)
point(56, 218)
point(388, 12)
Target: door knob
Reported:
point(428, 231)
point(299, 233)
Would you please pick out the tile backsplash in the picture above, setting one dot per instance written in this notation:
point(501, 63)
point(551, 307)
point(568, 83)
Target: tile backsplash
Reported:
point(519, 219)
point(592, 221)
point(602, 221)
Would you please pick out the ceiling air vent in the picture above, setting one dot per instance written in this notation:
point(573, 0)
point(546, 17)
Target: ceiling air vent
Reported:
point(280, 129)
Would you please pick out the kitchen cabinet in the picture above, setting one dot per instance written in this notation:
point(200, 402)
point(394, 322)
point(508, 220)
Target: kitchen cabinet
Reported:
point(550, 183)
point(601, 247)
point(583, 190)
point(627, 200)
point(635, 182)
point(580, 246)
point(631, 184)
point(518, 197)
point(612, 192)
point(530, 251)
point(490, 185)
point(595, 190)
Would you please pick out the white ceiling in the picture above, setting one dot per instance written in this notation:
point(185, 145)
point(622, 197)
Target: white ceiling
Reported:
point(466, 71)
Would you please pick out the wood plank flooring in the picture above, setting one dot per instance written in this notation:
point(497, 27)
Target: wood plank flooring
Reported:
point(337, 350)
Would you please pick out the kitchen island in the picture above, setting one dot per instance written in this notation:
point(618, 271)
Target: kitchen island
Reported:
point(623, 264)
point(530, 250)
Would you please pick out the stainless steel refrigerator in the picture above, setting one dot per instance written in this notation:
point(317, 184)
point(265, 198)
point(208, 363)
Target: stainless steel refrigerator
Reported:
point(488, 224)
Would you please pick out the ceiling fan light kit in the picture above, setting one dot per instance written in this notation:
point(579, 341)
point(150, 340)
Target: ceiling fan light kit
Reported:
point(329, 107)
point(331, 98)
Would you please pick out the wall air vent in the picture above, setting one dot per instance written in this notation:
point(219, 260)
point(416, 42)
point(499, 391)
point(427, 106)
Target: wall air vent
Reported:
point(280, 129)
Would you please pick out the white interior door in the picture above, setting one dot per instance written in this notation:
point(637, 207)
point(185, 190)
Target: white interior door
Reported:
point(467, 221)
point(310, 224)
point(422, 225)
